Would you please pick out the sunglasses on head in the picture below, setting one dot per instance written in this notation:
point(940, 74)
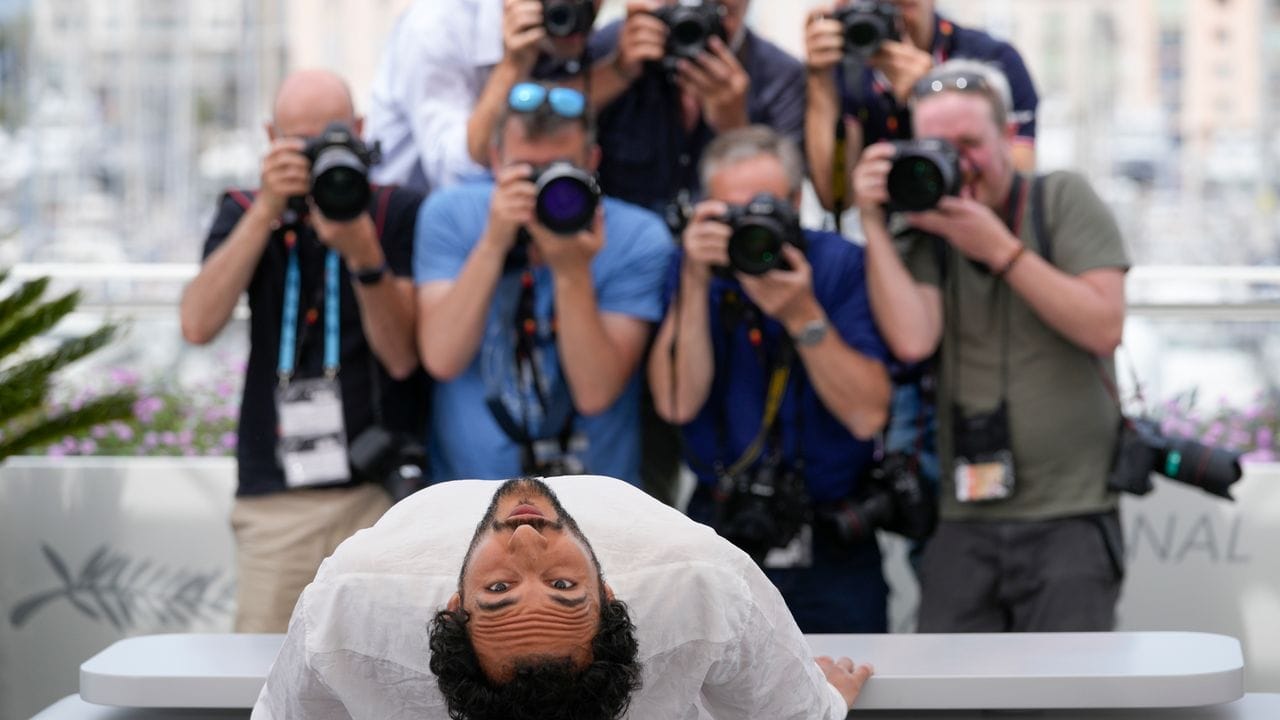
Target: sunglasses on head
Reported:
point(961, 81)
point(527, 97)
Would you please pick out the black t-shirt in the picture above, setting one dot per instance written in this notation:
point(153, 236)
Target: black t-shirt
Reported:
point(404, 403)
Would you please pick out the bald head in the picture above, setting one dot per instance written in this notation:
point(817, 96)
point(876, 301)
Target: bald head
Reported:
point(308, 100)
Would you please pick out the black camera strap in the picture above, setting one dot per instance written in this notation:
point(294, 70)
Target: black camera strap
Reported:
point(526, 365)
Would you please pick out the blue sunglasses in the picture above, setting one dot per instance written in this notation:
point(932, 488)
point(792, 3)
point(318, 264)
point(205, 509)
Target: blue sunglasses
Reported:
point(527, 97)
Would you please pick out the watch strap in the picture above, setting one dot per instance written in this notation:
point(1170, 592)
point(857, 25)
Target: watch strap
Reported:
point(370, 276)
point(812, 333)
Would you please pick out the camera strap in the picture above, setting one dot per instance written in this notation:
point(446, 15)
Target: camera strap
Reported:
point(527, 368)
point(289, 313)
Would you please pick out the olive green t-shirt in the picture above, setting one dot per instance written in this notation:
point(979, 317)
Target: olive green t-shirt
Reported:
point(1062, 420)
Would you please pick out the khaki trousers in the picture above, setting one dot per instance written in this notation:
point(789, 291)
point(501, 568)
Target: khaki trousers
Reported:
point(282, 538)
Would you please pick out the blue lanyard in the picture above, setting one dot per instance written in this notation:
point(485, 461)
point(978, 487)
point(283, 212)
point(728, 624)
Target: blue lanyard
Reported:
point(289, 319)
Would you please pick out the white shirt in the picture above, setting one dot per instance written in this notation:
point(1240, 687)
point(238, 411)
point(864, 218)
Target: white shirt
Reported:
point(715, 637)
point(436, 63)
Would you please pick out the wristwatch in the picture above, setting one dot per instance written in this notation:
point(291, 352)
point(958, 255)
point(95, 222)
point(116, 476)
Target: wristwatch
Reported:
point(812, 333)
point(371, 276)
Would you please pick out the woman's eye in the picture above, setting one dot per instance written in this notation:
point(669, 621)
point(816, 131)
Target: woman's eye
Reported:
point(498, 587)
point(563, 584)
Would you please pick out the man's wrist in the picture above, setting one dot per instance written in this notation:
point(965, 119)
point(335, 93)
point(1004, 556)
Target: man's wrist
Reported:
point(804, 315)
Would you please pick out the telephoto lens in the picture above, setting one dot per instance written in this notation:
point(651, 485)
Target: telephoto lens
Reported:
point(760, 228)
point(563, 18)
point(567, 198)
point(1143, 449)
point(923, 172)
point(340, 164)
point(867, 24)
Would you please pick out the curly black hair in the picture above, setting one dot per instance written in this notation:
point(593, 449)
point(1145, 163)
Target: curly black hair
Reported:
point(540, 690)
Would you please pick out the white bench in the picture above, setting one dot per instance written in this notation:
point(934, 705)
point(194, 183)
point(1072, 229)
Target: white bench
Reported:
point(1188, 676)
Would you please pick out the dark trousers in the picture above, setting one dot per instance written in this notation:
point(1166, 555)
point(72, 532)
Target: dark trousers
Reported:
point(1061, 575)
point(844, 591)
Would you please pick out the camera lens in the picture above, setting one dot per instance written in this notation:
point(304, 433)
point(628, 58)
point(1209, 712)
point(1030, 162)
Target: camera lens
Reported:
point(566, 201)
point(339, 184)
point(560, 19)
point(755, 248)
point(923, 172)
point(689, 34)
point(863, 35)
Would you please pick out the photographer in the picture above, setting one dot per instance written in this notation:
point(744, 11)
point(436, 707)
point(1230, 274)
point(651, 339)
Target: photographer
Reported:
point(680, 75)
point(536, 298)
point(1024, 294)
point(444, 77)
point(331, 324)
point(770, 360)
point(863, 58)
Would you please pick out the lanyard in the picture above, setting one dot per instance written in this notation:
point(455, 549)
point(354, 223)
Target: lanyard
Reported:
point(289, 317)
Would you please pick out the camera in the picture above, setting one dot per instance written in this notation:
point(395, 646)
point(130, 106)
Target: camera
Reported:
point(1144, 449)
point(340, 164)
point(563, 18)
point(923, 172)
point(567, 197)
point(867, 24)
point(894, 498)
point(761, 509)
point(759, 230)
point(393, 459)
point(690, 26)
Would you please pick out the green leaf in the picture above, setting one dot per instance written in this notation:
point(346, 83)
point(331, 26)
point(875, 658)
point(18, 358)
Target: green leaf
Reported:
point(22, 298)
point(16, 331)
point(117, 406)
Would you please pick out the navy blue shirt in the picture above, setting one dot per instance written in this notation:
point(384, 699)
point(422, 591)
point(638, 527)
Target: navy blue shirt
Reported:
point(833, 458)
point(872, 104)
point(647, 157)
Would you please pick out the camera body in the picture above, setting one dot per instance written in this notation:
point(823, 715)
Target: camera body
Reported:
point(394, 459)
point(690, 26)
point(760, 228)
point(761, 509)
point(867, 24)
point(894, 497)
point(340, 163)
point(923, 172)
point(567, 197)
point(564, 18)
point(1144, 449)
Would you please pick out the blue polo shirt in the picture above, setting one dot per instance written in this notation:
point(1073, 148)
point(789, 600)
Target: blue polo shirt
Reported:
point(833, 458)
point(466, 440)
point(872, 103)
point(648, 157)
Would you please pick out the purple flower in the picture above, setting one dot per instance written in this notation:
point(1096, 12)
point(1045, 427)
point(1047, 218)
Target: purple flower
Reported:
point(123, 432)
point(1264, 438)
point(150, 440)
point(1260, 455)
point(186, 437)
point(88, 447)
point(122, 376)
point(169, 437)
point(228, 440)
point(225, 389)
point(146, 408)
point(56, 451)
point(99, 432)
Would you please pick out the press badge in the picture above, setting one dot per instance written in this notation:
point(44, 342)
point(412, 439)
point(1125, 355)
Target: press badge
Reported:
point(796, 554)
point(312, 444)
point(984, 480)
point(984, 462)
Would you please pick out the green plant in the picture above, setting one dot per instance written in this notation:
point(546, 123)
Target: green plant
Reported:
point(26, 378)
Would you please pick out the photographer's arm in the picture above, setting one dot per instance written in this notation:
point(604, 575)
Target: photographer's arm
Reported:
point(680, 392)
point(386, 307)
point(452, 313)
point(1087, 309)
point(211, 297)
point(824, 49)
point(598, 351)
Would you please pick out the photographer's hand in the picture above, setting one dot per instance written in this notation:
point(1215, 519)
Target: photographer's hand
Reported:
point(720, 83)
point(522, 34)
point(355, 240)
point(786, 295)
point(904, 64)
point(970, 227)
point(286, 173)
point(569, 256)
point(643, 38)
point(845, 676)
point(823, 42)
point(871, 183)
point(511, 207)
point(706, 243)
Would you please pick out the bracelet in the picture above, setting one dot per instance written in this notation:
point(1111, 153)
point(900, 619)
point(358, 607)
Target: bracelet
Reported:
point(1004, 269)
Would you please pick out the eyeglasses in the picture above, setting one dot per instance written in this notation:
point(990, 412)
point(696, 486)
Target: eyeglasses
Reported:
point(527, 97)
